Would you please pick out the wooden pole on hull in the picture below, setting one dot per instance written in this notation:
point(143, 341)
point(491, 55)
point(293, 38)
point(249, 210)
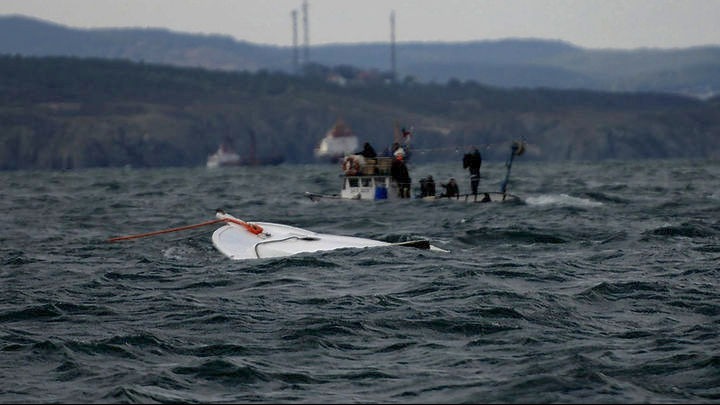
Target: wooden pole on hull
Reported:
point(252, 228)
point(181, 228)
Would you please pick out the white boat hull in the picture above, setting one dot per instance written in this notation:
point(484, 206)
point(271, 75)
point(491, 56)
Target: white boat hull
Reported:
point(277, 240)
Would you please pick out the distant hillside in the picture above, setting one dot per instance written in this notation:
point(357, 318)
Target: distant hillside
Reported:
point(506, 63)
point(32, 37)
point(69, 113)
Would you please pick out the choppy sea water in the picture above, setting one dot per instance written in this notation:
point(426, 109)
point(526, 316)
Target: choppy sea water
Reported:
point(601, 286)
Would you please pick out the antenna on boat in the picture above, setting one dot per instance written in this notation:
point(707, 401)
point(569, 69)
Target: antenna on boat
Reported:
point(517, 148)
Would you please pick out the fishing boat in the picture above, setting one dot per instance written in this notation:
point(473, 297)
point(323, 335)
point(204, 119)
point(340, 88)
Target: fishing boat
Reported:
point(339, 141)
point(363, 179)
point(370, 177)
point(239, 240)
point(371, 180)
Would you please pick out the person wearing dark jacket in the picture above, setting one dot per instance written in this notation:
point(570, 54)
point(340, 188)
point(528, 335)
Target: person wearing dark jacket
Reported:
point(451, 189)
point(368, 151)
point(427, 187)
point(399, 172)
point(472, 161)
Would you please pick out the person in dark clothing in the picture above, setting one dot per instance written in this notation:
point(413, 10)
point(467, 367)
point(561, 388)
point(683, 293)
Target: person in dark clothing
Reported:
point(430, 187)
point(368, 151)
point(427, 187)
point(399, 172)
point(472, 161)
point(451, 189)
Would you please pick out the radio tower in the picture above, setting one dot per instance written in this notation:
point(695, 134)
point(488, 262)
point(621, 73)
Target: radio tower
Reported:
point(393, 67)
point(306, 31)
point(295, 42)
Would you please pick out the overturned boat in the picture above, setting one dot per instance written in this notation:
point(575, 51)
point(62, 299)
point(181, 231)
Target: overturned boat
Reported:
point(240, 240)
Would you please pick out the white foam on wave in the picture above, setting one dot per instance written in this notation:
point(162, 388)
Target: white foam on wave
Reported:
point(562, 200)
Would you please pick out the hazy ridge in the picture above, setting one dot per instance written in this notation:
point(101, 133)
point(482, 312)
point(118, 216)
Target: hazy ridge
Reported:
point(506, 63)
point(81, 111)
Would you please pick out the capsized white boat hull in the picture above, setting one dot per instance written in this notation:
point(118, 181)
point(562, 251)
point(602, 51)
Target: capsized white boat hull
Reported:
point(278, 240)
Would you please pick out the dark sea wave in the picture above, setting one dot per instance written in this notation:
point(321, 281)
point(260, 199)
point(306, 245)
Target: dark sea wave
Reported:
point(600, 286)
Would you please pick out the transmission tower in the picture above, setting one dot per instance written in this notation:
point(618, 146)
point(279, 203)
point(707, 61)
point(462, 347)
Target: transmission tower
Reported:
point(295, 42)
point(393, 66)
point(306, 29)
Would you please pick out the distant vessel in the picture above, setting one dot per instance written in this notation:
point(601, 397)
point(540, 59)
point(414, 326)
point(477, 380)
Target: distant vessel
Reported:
point(338, 142)
point(227, 156)
point(224, 156)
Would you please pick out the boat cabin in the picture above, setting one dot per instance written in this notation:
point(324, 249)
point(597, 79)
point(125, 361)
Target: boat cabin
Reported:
point(367, 187)
point(367, 179)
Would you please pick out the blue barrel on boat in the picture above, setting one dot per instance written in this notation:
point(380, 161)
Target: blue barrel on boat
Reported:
point(380, 193)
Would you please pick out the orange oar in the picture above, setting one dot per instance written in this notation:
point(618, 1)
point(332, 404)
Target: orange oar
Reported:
point(182, 228)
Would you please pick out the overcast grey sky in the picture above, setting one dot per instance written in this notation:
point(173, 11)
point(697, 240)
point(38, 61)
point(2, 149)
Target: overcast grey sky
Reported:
point(588, 23)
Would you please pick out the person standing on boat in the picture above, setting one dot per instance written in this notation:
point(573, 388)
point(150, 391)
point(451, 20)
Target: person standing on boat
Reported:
point(399, 173)
point(368, 151)
point(396, 148)
point(472, 161)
